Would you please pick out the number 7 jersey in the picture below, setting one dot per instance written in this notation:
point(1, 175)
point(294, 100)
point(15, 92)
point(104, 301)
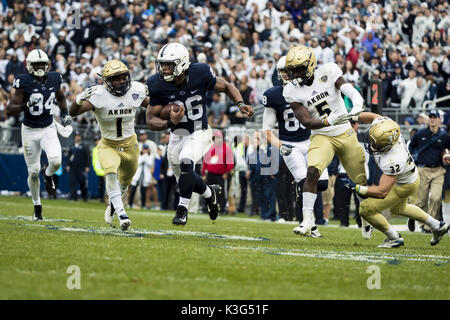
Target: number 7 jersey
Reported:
point(116, 115)
point(321, 98)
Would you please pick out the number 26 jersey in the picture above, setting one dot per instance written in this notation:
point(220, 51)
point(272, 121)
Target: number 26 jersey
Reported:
point(321, 98)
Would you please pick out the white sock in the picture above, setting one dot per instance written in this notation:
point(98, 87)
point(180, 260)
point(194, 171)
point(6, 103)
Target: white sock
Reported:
point(184, 202)
point(433, 223)
point(115, 198)
point(34, 184)
point(207, 194)
point(391, 233)
point(446, 212)
point(309, 199)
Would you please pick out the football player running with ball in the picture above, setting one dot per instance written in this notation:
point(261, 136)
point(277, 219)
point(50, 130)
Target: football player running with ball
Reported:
point(180, 82)
point(115, 104)
point(34, 94)
point(399, 181)
point(315, 97)
point(293, 139)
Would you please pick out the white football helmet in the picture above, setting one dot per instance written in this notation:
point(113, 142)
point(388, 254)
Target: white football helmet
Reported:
point(281, 70)
point(176, 53)
point(38, 56)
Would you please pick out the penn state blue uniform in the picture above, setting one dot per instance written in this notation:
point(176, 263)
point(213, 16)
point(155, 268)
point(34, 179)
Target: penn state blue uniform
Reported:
point(39, 116)
point(289, 128)
point(191, 95)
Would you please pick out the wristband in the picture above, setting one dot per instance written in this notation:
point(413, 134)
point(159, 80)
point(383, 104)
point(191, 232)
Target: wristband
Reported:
point(361, 190)
point(240, 104)
point(170, 124)
point(325, 123)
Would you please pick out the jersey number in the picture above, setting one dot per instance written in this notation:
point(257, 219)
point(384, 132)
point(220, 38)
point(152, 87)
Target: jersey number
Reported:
point(395, 169)
point(192, 112)
point(37, 109)
point(322, 108)
point(119, 127)
point(290, 121)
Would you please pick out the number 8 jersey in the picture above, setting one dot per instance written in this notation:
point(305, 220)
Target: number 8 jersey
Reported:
point(40, 115)
point(116, 115)
point(321, 98)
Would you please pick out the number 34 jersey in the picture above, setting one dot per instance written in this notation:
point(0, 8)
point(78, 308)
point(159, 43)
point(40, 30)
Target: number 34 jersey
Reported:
point(321, 98)
point(116, 115)
point(398, 162)
point(40, 115)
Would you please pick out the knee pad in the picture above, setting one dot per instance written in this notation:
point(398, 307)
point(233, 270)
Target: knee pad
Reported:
point(186, 166)
point(33, 175)
point(34, 169)
point(54, 163)
point(322, 185)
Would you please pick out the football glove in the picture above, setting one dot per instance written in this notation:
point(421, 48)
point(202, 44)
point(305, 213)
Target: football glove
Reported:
point(34, 100)
point(348, 184)
point(286, 149)
point(66, 120)
point(86, 94)
point(335, 119)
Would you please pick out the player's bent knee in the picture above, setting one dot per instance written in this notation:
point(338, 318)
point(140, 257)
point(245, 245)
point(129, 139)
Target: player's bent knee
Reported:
point(312, 174)
point(186, 166)
point(34, 169)
point(54, 163)
point(365, 209)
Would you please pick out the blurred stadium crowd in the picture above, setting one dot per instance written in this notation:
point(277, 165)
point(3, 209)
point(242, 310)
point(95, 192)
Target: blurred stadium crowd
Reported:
point(405, 44)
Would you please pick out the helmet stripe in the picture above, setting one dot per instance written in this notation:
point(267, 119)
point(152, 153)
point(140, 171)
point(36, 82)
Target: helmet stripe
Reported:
point(163, 49)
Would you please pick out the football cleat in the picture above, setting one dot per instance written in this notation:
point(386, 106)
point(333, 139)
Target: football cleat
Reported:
point(439, 233)
point(212, 203)
point(181, 216)
point(411, 224)
point(125, 222)
point(110, 213)
point(392, 243)
point(366, 229)
point(303, 230)
point(49, 183)
point(37, 212)
point(315, 232)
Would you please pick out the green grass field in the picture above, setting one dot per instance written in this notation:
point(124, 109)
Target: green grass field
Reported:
point(234, 258)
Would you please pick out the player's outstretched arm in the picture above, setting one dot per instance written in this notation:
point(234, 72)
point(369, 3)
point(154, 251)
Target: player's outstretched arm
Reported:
point(302, 114)
point(367, 117)
point(380, 191)
point(349, 90)
point(233, 93)
point(17, 102)
point(81, 103)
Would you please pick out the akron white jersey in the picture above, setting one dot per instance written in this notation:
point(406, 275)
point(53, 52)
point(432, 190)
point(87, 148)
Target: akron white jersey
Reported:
point(321, 98)
point(398, 162)
point(116, 115)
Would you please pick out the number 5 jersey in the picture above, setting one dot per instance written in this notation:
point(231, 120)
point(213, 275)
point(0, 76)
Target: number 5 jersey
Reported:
point(321, 98)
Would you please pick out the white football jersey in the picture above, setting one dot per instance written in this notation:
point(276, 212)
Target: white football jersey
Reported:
point(115, 115)
point(398, 162)
point(321, 98)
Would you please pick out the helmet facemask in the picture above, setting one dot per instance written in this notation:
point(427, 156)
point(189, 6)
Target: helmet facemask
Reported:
point(121, 88)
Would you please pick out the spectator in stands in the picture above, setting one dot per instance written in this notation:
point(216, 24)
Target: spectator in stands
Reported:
point(14, 66)
point(406, 88)
point(217, 112)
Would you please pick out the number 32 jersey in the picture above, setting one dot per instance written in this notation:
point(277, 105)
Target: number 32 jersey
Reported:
point(115, 115)
point(39, 116)
point(398, 162)
point(321, 98)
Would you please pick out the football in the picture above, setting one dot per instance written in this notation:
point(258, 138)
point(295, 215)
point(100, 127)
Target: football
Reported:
point(446, 157)
point(165, 111)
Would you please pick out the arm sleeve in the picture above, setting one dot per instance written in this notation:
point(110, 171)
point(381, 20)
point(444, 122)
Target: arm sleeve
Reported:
point(269, 118)
point(354, 95)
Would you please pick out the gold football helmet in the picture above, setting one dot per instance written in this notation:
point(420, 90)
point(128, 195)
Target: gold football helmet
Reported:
point(300, 64)
point(114, 68)
point(382, 136)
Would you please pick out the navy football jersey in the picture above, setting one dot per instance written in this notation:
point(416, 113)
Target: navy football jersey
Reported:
point(39, 116)
point(290, 129)
point(191, 95)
